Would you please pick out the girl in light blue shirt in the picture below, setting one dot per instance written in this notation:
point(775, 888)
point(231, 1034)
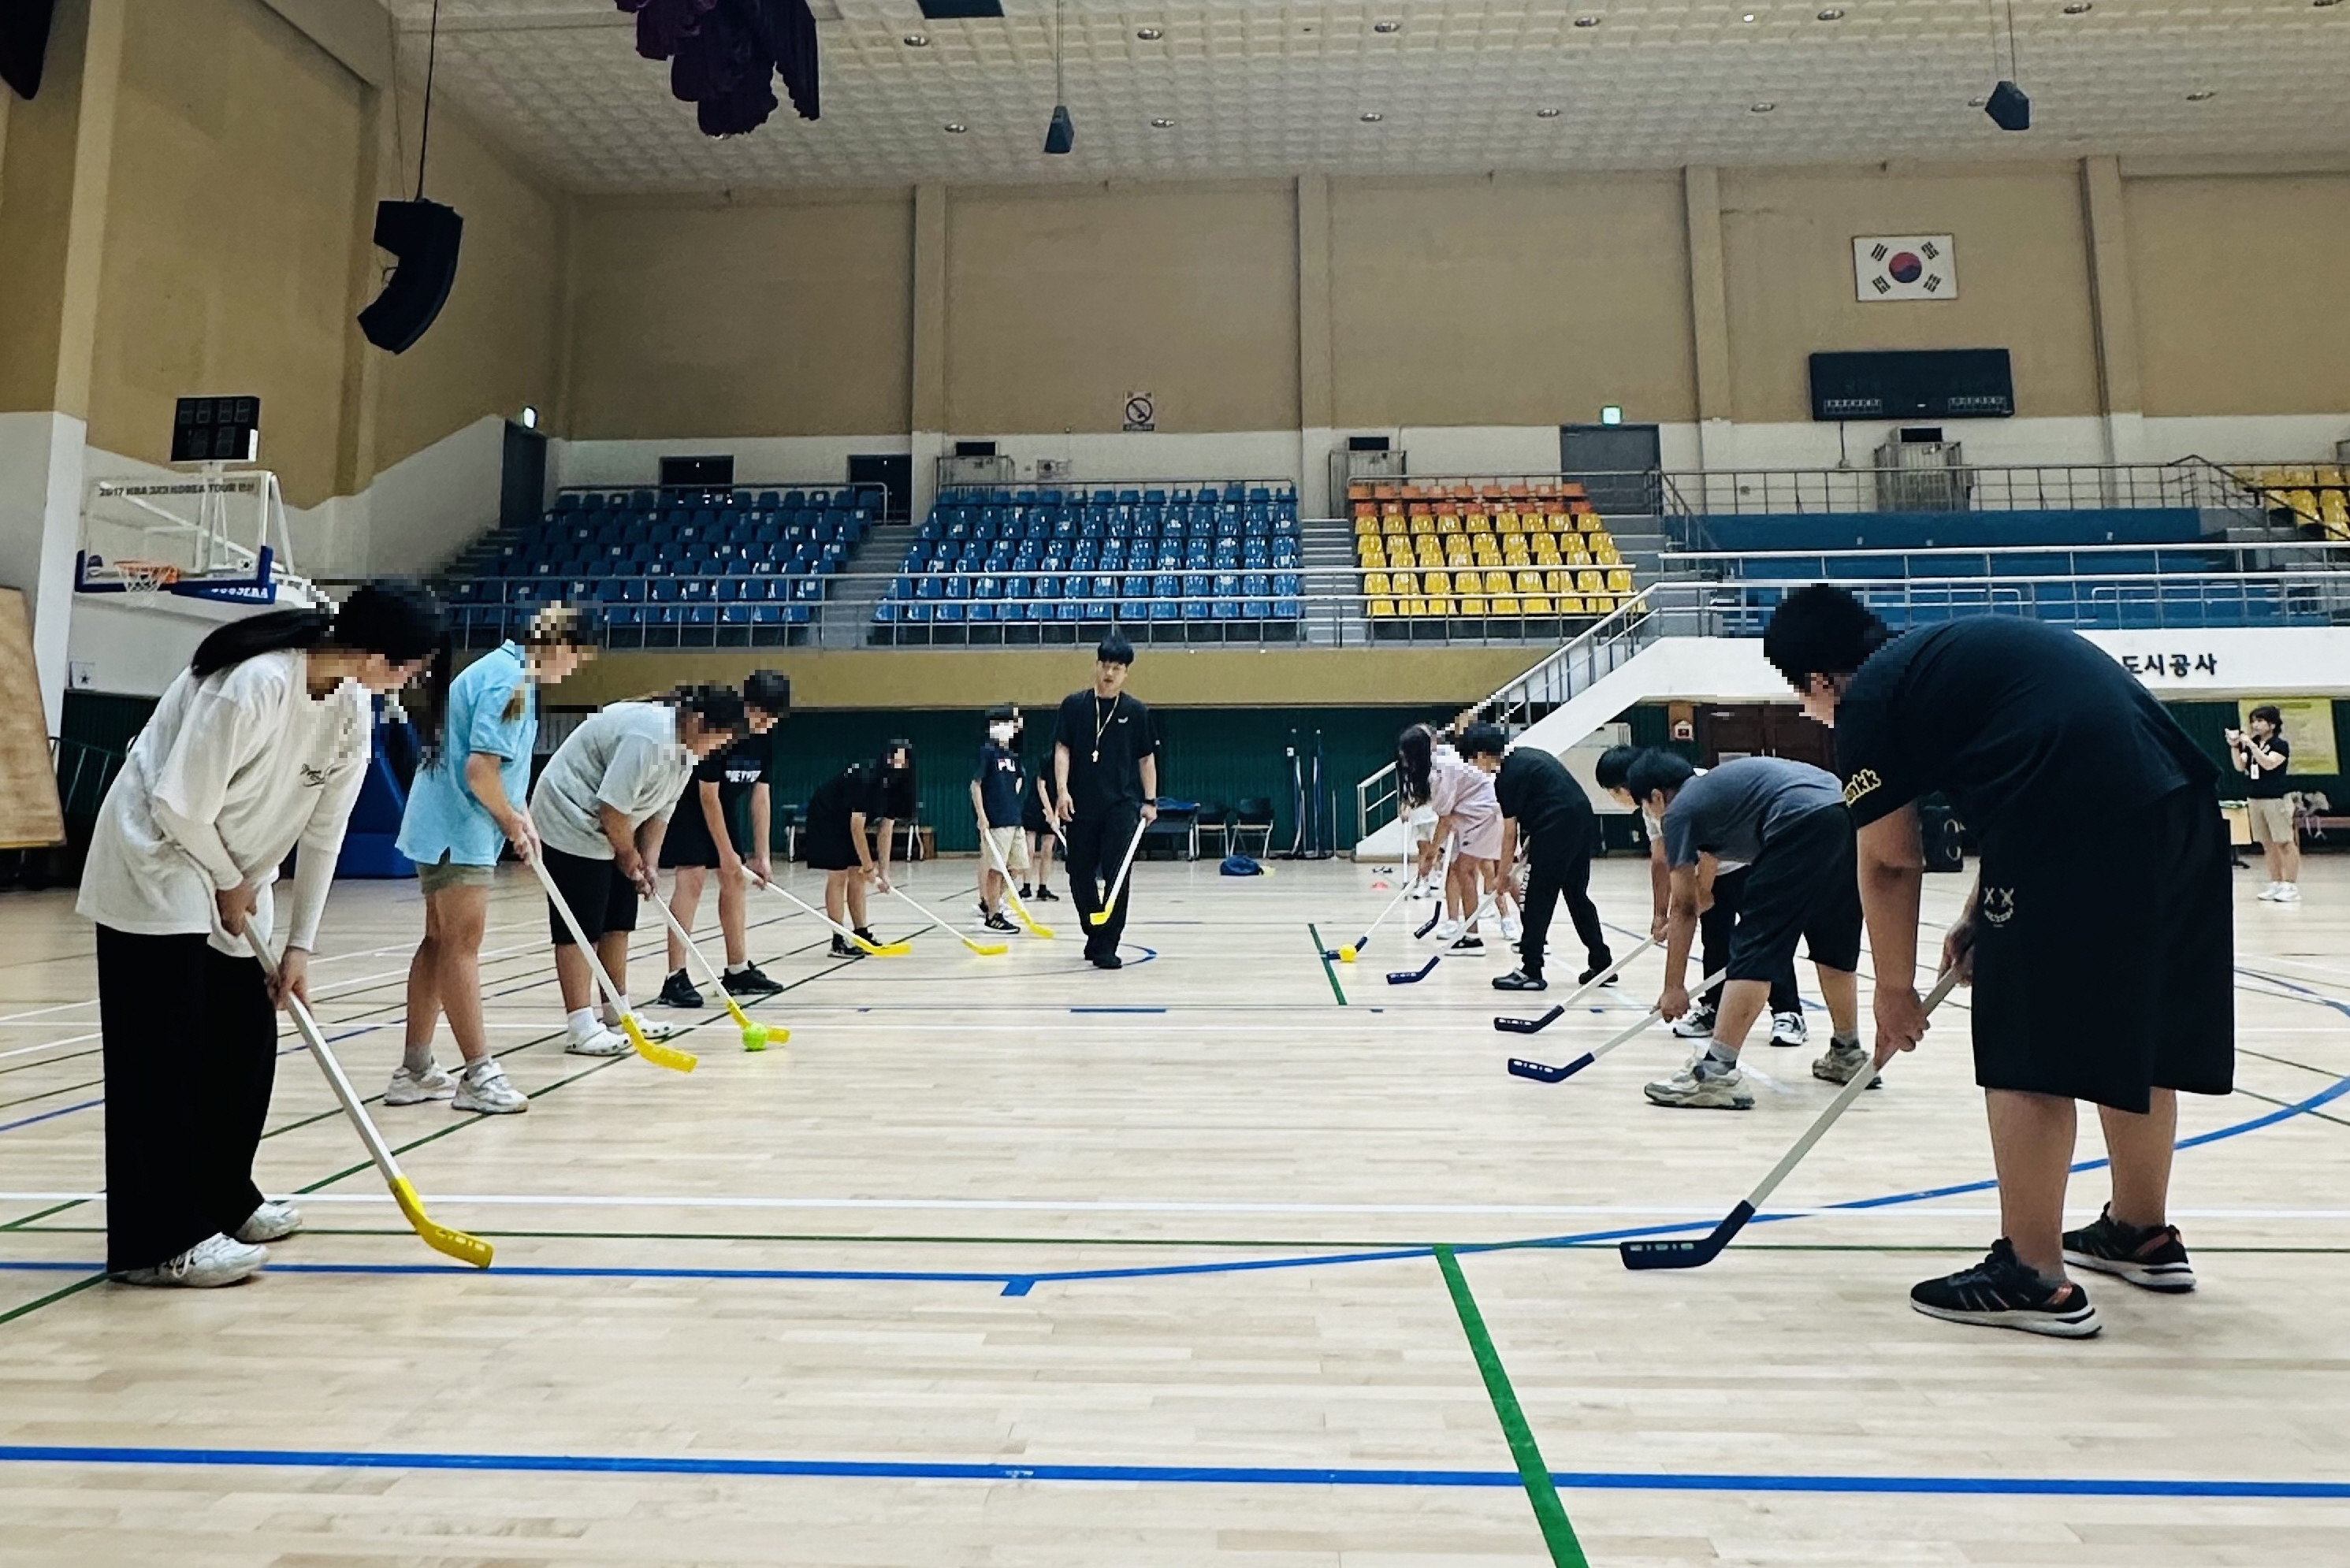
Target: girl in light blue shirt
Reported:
point(464, 809)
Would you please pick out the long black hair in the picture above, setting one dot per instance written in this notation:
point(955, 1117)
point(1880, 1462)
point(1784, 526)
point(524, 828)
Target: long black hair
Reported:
point(898, 784)
point(401, 620)
point(1415, 755)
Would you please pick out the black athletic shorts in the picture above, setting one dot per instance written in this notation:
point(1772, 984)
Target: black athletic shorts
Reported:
point(830, 845)
point(689, 842)
point(602, 900)
point(2105, 965)
point(1032, 811)
point(1805, 885)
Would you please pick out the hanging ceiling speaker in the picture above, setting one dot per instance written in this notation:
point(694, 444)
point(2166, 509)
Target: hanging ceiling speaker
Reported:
point(1062, 134)
point(2010, 107)
point(422, 237)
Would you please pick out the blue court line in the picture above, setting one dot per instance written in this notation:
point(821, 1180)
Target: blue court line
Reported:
point(44, 1115)
point(1194, 1475)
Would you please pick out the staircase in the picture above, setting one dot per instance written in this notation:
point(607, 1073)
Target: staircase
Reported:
point(1326, 553)
point(847, 620)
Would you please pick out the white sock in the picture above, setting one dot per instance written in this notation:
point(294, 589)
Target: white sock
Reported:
point(417, 1059)
point(1721, 1056)
point(733, 969)
point(612, 1019)
point(480, 1068)
point(583, 1024)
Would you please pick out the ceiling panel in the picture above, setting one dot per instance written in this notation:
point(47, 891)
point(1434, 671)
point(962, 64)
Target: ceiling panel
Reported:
point(1458, 87)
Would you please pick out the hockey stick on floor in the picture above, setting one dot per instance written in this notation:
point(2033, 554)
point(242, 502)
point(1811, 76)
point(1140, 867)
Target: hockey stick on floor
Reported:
point(984, 949)
point(1661, 1253)
point(1347, 954)
point(1536, 1025)
point(441, 1238)
point(879, 949)
point(756, 1036)
point(1543, 1073)
point(669, 1056)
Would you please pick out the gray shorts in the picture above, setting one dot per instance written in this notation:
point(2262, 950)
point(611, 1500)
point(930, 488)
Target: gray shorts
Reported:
point(441, 874)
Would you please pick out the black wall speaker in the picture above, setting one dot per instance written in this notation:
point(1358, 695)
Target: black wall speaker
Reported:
point(1062, 134)
point(2010, 107)
point(423, 238)
point(24, 40)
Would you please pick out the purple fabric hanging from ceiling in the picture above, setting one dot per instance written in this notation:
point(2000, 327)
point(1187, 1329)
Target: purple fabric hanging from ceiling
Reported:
point(724, 56)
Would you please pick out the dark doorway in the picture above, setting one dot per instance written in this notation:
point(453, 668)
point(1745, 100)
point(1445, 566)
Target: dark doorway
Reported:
point(1763, 729)
point(894, 473)
point(1619, 467)
point(522, 485)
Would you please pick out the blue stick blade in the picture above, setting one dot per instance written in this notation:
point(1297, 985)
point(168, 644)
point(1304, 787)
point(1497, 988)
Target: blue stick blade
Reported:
point(1684, 1252)
point(1539, 1072)
point(1577, 1066)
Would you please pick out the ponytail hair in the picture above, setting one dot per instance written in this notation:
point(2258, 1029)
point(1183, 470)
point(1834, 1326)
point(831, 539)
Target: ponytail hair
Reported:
point(401, 620)
point(1415, 755)
point(897, 783)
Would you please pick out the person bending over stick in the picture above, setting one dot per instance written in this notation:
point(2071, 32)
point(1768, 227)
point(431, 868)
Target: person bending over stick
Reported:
point(2019, 723)
point(1540, 799)
point(705, 835)
point(1786, 821)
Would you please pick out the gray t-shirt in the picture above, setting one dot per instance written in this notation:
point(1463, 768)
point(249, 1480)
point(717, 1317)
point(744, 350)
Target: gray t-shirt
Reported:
point(625, 757)
point(1730, 812)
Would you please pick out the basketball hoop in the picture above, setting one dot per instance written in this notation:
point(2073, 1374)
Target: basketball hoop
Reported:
point(144, 579)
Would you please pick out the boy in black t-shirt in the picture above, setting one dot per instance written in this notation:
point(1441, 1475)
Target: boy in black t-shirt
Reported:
point(2126, 1005)
point(1106, 773)
point(1542, 803)
point(706, 834)
point(996, 802)
point(2263, 757)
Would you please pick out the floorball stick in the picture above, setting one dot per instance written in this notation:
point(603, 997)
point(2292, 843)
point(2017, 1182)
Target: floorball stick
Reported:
point(756, 1036)
point(1536, 1025)
point(1101, 916)
point(996, 864)
point(669, 1056)
point(984, 949)
point(1663, 1252)
point(879, 949)
point(453, 1243)
point(1347, 954)
point(1543, 1073)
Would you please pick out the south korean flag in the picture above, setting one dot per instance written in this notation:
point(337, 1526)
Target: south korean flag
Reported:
point(1905, 267)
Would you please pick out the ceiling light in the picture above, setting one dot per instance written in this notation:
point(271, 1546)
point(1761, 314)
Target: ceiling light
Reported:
point(1748, 17)
point(1587, 21)
point(1386, 27)
point(1763, 108)
point(954, 127)
point(1372, 117)
point(2199, 95)
point(529, 417)
point(1977, 102)
point(1832, 14)
point(2079, 7)
point(1546, 113)
point(1148, 35)
point(918, 41)
point(1162, 125)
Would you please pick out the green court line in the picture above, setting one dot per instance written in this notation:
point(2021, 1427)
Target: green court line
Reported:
point(1324, 954)
point(37, 1303)
point(2268, 1100)
point(1565, 1550)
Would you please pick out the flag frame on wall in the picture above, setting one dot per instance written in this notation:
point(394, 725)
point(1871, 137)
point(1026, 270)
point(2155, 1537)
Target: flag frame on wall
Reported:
point(1901, 268)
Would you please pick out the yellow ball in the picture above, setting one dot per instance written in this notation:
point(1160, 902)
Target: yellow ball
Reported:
point(1346, 955)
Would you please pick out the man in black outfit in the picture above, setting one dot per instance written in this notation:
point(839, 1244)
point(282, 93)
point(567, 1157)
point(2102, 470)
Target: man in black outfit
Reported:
point(2020, 723)
point(1106, 773)
point(1542, 802)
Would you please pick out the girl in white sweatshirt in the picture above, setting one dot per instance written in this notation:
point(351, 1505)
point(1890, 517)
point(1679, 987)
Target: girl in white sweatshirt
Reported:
point(259, 746)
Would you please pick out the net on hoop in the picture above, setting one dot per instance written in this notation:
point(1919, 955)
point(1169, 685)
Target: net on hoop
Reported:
point(141, 578)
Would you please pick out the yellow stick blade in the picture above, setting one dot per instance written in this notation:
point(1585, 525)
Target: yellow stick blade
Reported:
point(456, 1244)
point(885, 950)
point(986, 949)
point(1098, 917)
point(1036, 930)
point(669, 1056)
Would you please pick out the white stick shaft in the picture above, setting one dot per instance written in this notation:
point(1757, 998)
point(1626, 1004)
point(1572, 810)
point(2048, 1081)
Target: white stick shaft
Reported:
point(611, 993)
point(1837, 1107)
point(783, 892)
point(1390, 910)
point(1610, 973)
point(928, 916)
point(1649, 1019)
point(1109, 903)
point(708, 972)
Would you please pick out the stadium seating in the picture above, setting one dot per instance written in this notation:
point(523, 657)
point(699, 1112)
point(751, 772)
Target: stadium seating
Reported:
point(666, 568)
point(2315, 495)
point(1434, 556)
point(1207, 562)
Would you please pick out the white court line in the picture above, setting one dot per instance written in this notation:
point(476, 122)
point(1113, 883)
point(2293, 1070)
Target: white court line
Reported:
point(1116, 1206)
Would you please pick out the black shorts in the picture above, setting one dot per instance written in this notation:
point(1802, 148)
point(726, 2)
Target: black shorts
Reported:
point(1805, 885)
point(2105, 967)
point(830, 845)
point(1032, 811)
point(602, 900)
point(689, 842)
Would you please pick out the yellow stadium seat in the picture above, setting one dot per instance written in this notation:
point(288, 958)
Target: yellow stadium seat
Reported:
point(1516, 555)
point(1404, 583)
point(1437, 583)
point(1579, 557)
point(1558, 582)
point(1392, 525)
point(1481, 525)
point(1382, 610)
point(1530, 582)
point(1448, 525)
point(1505, 606)
point(1423, 525)
point(1459, 555)
point(1537, 606)
point(1589, 582)
point(1467, 605)
point(1366, 527)
point(1589, 523)
point(1598, 604)
point(1377, 584)
point(1508, 523)
point(1606, 555)
point(1570, 604)
point(1498, 583)
point(1619, 579)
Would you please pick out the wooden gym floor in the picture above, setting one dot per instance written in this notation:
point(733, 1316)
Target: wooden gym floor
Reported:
point(1233, 1257)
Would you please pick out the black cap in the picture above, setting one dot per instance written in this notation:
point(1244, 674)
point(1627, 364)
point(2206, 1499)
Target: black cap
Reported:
point(1115, 649)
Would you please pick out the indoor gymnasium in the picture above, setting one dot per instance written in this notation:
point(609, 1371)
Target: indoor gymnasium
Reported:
point(887, 784)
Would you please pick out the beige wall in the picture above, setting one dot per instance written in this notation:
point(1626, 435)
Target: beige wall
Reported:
point(2023, 270)
point(37, 186)
point(1510, 301)
point(1060, 302)
point(497, 345)
point(226, 268)
point(2243, 293)
point(789, 319)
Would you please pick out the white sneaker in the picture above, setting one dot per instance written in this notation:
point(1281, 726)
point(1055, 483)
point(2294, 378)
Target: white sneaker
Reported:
point(1697, 1023)
point(408, 1088)
point(274, 1222)
point(1449, 931)
point(2269, 891)
point(1789, 1029)
point(1512, 927)
point(215, 1260)
point(2288, 893)
point(603, 1042)
point(485, 1089)
point(1705, 1084)
point(1845, 1061)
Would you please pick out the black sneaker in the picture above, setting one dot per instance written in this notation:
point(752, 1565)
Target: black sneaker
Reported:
point(1594, 972)
point(998, 923)
point(870, 940)
point(1467, 944)
point(1046, 895)
point(1108, 960)
point(678, 990)
point(1027, 892)
point(751, 980)
point(2001, 1292)
point(1518, 980)
point(2152, 1260)
point(842, 947)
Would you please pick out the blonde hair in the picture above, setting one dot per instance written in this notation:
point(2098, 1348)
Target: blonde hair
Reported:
point(553, 625)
